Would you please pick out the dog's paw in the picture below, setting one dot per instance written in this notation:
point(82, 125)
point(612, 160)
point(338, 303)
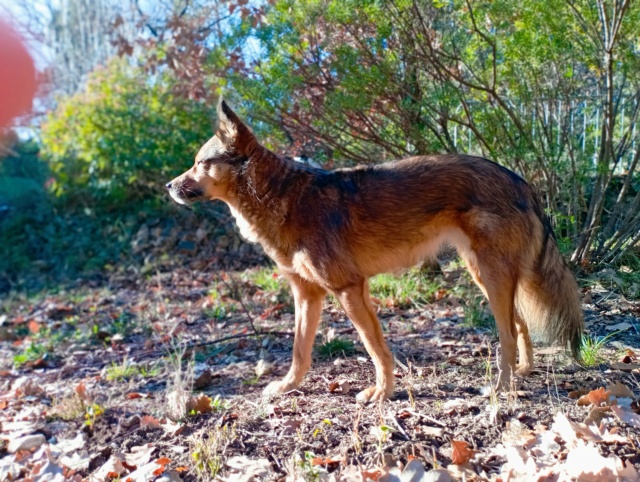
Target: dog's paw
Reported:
point(523, 370)
point(372, 394)
point(278, 388)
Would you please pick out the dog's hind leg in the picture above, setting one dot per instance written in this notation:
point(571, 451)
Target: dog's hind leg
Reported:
point(356, 302)
point(499, 285)
point(308, 299)
point(499, 288)
point(525, 348)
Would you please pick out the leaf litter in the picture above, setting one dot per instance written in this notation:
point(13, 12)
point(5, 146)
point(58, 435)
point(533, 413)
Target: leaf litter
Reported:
point(567, 423)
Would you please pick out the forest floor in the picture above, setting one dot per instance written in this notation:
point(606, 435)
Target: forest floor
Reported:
point(158, 376)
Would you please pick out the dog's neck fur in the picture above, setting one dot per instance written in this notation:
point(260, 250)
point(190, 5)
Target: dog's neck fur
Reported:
point(256, 199)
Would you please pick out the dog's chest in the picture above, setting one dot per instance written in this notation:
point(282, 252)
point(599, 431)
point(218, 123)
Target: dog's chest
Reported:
point(246, 229)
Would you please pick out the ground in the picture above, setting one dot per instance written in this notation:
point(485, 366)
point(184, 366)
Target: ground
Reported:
point(159, 376)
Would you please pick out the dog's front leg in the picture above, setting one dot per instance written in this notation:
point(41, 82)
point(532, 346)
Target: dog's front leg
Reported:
point(357, 304)
point(308, 299)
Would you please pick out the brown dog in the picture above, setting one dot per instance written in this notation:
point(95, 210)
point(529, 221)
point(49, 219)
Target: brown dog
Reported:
point(329, 231)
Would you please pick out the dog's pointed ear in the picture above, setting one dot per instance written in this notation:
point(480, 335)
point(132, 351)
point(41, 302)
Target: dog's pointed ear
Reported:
point(227, 119)
point(231, 130)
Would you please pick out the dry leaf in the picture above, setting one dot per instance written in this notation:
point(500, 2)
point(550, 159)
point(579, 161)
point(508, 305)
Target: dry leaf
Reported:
point(79, 461)
point(172, 428)
point(586, 464)
point(134, 395)
point(263, 368)
point(324, 461)
point(461, 453)
point(341, 386)
point(620, 390)
point(434, 431)
point(140, 455)
point(145, 473)
point(147, 421)
point(457, 405)
point(625, 416)
point(575, 394)
point(596, 415)
point(81, 391)
point(596, 397)
point(113, 468)
point(201, 404)
point(66, 446)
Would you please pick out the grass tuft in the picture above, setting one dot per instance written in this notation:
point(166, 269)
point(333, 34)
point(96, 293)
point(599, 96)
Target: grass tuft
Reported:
point(591, 350)
point(335, 348)
point(207, 448)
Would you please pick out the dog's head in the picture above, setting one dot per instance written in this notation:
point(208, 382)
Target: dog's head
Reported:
point(217, 161)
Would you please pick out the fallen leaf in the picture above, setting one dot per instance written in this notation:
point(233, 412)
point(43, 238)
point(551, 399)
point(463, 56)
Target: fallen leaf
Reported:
point(457, 405)
point(78, 461)
point(460, 452)
point(112, 468)
point(81, 391)
point(341, 386)
point(249, 468)
point(316, 461)
point(626, 416)
point(596, 397)
point(620, 390)
point(163, 461)
point(28, 442)
point(172, 428)
point(263, 368)
point(596, 415)
point(585, 463)
point(434, 431)
point(575, 394)
point(67, 446)
point(134, 395)
point(140, 455)
point(201, 404)
point(145, 473)
point(147, 421)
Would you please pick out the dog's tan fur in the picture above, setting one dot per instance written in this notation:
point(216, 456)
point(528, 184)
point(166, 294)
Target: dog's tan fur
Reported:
point(329, 231)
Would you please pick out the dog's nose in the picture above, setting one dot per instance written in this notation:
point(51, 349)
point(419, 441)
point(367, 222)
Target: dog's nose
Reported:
point(168, 185)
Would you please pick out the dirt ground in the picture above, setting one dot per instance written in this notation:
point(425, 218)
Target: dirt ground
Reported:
point(159, 377)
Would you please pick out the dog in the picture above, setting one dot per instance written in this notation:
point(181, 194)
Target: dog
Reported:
point(330, 231)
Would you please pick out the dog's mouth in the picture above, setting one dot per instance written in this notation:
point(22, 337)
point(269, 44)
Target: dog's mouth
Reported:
point(184, 195)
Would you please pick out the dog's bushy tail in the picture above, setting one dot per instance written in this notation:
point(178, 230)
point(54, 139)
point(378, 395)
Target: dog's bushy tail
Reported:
point(547, 297)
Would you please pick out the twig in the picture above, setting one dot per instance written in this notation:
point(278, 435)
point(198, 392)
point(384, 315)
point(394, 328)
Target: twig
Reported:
point(239, 300)
point(426, 417)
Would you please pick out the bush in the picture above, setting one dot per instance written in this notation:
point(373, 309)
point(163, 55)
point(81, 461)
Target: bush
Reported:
point(124, 137)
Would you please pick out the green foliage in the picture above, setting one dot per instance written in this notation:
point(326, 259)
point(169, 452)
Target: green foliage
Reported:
point(520, 82)
point(124, 137)
point(591, 349)
point(118, 372)
point(409, 289)
point(335, 348)
point(272, 283)
point(32, 353)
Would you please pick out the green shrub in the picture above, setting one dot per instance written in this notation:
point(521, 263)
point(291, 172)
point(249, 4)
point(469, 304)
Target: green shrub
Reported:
point(124, 137)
